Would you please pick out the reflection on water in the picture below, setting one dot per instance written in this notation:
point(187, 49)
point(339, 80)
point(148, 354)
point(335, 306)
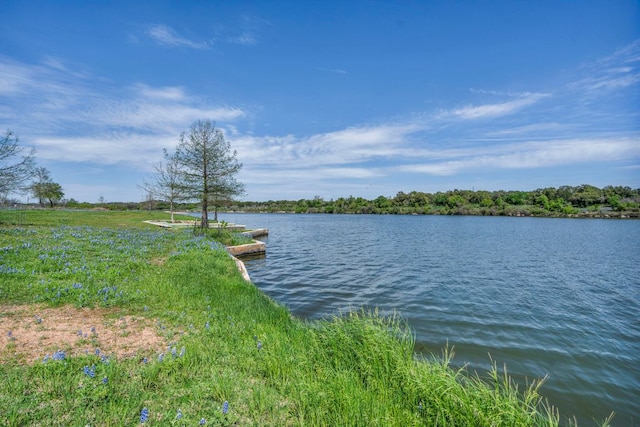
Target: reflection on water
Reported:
point(545, 296)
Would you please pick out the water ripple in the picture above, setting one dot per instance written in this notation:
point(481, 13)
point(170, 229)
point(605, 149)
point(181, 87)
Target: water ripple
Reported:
point(555, 297)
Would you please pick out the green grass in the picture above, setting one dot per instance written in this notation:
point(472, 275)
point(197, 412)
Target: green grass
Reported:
point(358, 369)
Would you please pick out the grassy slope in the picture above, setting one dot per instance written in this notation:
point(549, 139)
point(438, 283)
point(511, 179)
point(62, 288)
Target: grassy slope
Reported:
point(239, 346)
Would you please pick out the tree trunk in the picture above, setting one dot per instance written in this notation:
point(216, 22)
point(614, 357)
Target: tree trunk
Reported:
point(204, 221)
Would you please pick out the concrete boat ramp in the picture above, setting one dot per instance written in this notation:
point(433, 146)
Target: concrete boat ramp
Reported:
point(256, 247)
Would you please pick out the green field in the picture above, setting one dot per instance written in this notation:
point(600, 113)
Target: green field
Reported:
point(107, 321)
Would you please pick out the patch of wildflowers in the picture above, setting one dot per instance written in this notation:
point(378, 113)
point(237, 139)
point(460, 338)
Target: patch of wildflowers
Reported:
point(225, 407)
point(179, 414)
point(203, 421)
point(105, 380)
point(58, 355)
point(144, 415)
point(89, 371)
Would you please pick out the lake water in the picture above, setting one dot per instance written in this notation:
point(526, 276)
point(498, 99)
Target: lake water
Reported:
point(556, 297)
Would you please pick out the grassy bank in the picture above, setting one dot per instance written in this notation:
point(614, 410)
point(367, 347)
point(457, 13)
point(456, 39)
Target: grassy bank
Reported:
point(108, 321)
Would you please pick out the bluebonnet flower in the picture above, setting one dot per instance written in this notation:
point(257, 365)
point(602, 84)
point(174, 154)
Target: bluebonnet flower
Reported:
point(89, 371)
point(203, 421)
point(38, 319)
point(105, 380)
point(79, 332)
point(77, 286)
point(160, 357)
point(174, 352)
point(225, 407)
point(145, 360)
point(144, 415)
point(206, 326)
point(93, 329)
point(46, 358)
point(179, 414)
point(97, 352)
point(259, 345)
point(58, 355)
point(10, 335)
point(104, 359)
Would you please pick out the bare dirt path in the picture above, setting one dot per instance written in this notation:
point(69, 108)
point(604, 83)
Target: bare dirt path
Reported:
point(29, 332)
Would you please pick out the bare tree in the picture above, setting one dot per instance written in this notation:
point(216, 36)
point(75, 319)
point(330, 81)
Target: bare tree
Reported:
point(209, 167)
point(16, 167)
point(167, 181)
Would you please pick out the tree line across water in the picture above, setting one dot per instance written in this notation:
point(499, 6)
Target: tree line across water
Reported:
point(583, 200)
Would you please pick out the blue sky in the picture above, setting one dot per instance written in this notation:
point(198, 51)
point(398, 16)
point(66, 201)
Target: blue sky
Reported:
point(328, 98)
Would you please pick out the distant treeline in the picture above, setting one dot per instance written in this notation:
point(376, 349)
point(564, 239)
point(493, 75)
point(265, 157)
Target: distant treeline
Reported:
point(583, 200)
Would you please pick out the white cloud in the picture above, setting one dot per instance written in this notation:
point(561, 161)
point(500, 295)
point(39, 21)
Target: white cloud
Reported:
point(500, 109)
point(617, 71)
point(167, 36)
point(244, 38)
point(75, 118)
point(536, 154)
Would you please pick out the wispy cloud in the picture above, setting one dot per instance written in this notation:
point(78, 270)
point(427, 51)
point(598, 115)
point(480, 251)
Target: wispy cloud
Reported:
point(246, 38)
point(617, 71)
point(167, 36)
point(530, 155)
point(77, 118)
point(472, 112)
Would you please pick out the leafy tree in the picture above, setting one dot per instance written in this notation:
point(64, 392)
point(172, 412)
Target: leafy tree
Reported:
point(44, 189)
point(209, 167)
point(167, 181)
point(16, 167)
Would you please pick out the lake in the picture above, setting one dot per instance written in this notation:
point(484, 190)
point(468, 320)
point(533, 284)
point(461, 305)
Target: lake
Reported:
point(545, 296)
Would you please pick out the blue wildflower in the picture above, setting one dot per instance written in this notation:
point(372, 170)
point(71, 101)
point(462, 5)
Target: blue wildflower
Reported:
point(259, 345)
point(225, 407)
point(58, 355)
point(144, 415)
point(145, 360)
point(179, 414)
point(203, 421)
point(104, 359)
point(97, 352)
point(46, 358)
point(174, 352)
point(89, 371)
point(206, 326)
point(105, 380)
point(160, 357)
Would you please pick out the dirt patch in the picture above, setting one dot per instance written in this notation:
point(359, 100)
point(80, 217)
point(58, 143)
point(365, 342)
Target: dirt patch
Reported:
point(29, 332)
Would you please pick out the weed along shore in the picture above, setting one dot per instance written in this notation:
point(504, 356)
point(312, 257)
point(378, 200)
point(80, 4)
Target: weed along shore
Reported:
point(107, 320)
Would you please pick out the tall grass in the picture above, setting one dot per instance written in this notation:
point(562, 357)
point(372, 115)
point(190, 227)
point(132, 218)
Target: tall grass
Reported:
point(226, 342)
